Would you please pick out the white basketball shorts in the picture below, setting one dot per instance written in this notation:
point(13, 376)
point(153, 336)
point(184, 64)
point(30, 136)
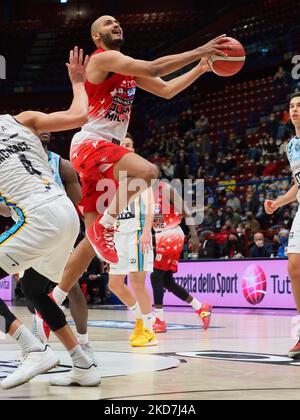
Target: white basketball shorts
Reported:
point(294, 239)
point(131, 258)
point(42, 239)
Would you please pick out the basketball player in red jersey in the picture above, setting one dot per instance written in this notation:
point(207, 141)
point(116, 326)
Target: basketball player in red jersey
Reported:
point(96, 153)
point(169, 209)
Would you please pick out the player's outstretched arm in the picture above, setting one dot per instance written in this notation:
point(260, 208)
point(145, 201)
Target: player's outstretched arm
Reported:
point(272, 205)
point(76, 115)
point(169, 89)
point(116, 62)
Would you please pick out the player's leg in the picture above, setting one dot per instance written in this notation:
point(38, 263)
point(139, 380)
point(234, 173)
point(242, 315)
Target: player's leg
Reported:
point(39, 358)
point(79, 312)
point(157, 282)
point(203, 310)
point(294, 273)
point(146, 336)
point(84, 372)
point(130, 167)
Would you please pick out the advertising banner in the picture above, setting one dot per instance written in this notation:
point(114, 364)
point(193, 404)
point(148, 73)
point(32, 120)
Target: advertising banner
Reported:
point(6, 288)
point(236, 283)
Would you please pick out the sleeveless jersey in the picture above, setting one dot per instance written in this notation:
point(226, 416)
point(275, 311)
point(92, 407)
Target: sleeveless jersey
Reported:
point(165, 217)
point(110, 104)
point(26, 181)
point(54, 163)
point(293, 154)
point(132, 218)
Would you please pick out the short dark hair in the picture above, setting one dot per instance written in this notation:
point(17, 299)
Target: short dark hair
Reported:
point(295, 95)
point(129, 136)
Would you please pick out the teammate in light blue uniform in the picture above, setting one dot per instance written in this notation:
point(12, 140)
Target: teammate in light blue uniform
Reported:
point(293, 250)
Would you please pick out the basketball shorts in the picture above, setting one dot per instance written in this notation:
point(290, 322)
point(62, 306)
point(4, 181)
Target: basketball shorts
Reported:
point(131, 258)
point(294, 238)
point(169, 245)
point(43, 242)
point(94, 161)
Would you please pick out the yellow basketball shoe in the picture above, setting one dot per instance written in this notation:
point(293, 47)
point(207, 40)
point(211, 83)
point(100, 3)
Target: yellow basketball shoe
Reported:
point(138, 329)
point(145, 339)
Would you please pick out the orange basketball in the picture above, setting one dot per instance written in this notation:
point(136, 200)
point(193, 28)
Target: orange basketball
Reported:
point(228, 66)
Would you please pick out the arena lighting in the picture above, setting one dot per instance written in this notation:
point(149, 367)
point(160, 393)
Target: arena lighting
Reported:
point(63, 1)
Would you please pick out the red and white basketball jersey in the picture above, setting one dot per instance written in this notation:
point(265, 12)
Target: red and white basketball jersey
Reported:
point(110, 104)
point(165, 216)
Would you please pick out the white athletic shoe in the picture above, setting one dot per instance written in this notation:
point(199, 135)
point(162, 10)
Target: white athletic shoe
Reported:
point(87, 349)
point(35, 363)
point(78, 377)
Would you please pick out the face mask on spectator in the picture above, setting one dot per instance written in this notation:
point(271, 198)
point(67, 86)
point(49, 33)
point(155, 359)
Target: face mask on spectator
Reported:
point(259, 243)
point(283, 240)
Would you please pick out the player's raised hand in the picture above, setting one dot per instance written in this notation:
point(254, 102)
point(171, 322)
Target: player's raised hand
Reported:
point(215, 47)
point(270, 206)
point(77, 65)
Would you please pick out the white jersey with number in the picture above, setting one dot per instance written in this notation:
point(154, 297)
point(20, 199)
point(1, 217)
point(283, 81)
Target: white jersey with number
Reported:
point(132, 219)
point(293, 154)
point(26, 181)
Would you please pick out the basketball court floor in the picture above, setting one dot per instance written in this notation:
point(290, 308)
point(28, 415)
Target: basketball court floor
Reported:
point(242, 356)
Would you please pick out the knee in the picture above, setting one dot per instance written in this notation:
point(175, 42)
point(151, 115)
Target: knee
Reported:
point(137, 284)
point(150, 173)
point(294, 269)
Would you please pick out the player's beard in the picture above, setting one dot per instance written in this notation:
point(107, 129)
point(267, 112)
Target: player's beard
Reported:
point(111, 43)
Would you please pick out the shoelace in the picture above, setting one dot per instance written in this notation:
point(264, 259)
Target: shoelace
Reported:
point(109, 237)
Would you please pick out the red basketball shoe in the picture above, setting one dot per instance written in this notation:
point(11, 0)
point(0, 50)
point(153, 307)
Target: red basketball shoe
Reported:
point(159, 326)
point(102, 240)
point(205, 313)
point(294, 353)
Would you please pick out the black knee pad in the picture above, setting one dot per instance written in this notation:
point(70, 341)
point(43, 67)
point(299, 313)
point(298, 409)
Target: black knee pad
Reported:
point(8, 317)
point(34, 290)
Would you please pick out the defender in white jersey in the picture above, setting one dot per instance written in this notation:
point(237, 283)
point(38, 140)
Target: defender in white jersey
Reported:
point(133, 240)
point(46, 227)
point(66, 177)
point(293, 154)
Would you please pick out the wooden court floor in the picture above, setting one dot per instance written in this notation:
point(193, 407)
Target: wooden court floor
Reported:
point(243, 356)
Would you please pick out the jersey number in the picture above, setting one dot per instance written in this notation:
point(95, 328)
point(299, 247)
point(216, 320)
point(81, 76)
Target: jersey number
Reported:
point(28, 166)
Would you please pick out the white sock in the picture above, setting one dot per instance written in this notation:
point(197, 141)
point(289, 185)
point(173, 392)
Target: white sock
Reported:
point(107, 219)
point(27, 340)
point(59, 295)
point(148, 322)
point(136, 310)
point(196, 304)
point(160, 314)
point(83, 339)
point(79, 358)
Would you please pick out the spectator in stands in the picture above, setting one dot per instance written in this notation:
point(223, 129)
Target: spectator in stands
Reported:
point(281, 78)
point(231, 216)
point(201, 124)
point(272, 126)
point(93, 280)
point(252, 223)
point(251, 203)
point(186, 122)
point(286, 220)
point(283, 237)
point(208, 247)
point(254, 153)
point(260, 249)
point(168, 169)
point(234, 247)
point(233, 201)
point(271, 168)
point(271, 146)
